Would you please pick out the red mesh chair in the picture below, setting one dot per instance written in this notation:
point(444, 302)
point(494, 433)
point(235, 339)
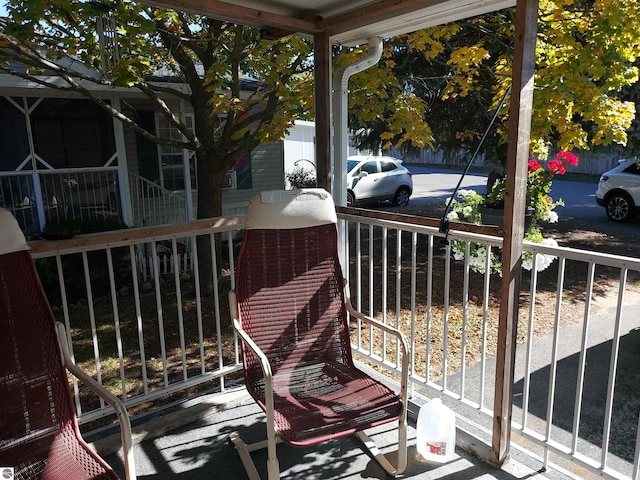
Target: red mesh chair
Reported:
point(39, 433)
point(290, 310)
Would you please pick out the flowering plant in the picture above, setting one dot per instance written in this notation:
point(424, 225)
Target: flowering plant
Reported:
point(465, 207)
point(538, 187)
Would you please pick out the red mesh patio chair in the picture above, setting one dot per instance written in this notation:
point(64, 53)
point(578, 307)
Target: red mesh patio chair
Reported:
point(39, 434)
point(290, 310)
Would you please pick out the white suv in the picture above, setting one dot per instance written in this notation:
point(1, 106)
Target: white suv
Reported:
point(619, 190)
point(371, 178)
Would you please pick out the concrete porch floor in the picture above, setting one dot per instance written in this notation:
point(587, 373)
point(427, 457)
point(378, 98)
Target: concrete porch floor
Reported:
point(190, 441)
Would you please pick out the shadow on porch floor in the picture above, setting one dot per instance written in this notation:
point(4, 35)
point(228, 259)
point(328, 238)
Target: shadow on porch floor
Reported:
point(191, 442)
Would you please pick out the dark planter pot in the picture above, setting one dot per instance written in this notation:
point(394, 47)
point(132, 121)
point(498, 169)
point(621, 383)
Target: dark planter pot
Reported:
point(495, 216)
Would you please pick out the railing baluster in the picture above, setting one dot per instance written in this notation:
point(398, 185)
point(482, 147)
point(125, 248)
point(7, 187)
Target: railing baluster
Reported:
point(429, 306)
point(67, 325)
point(398, 287)
point(465, 313)
point(384, 283)
point(116, 320)
point(139, 327)
point(196, 282)
point(178, 292)
point(92, 321)
point(554, 357)
point(371, 281)
point(577, 409)
point(445, 334)
point(414, 287)
point(359, 280)
point(159, 312)
point(485, 321)
point(527, 369)
point(216, 299)
point(613, 367)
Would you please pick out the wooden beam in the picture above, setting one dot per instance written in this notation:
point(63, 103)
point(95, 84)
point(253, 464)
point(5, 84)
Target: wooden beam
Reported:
point(516, 187)
point(372, 13)
point(239, 14)
point(322, 71)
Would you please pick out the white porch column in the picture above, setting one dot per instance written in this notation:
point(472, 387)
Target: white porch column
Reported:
point(123, 167)
point(186, 168)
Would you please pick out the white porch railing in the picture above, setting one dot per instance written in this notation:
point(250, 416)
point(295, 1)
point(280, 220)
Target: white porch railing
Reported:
point(146, 339)
point(153, 205)
point(41, 197)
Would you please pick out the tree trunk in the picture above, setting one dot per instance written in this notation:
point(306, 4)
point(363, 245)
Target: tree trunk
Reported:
point(211, 173)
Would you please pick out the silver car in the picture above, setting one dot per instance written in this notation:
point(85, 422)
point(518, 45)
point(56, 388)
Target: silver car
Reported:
point(619, 190)
point(371, 178)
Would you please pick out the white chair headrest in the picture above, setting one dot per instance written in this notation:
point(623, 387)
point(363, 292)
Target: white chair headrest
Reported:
point(286, 209)
point(11, 237)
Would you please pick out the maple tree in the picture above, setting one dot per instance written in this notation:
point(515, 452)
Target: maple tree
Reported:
point(586, 65)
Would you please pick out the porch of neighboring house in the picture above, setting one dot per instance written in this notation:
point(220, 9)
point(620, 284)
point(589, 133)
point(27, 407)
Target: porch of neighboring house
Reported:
point(65, 159)
point(165, 346)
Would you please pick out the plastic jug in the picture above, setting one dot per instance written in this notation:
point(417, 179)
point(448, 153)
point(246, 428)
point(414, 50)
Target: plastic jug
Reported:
point(436, 432)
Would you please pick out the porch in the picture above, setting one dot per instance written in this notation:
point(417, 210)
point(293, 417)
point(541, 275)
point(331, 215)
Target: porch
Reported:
point(190, 440)
point(163, 339)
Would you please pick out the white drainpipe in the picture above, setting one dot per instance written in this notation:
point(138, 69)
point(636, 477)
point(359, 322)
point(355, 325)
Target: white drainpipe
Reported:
point(340, 127)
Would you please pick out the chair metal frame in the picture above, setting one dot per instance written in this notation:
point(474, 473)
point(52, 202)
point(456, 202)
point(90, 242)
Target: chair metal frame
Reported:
point(121, 412)
point(273, 467)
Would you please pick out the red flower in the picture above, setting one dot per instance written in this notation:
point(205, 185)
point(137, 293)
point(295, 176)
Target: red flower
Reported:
point(533, 166)
point(568, 157)
point(556, 166)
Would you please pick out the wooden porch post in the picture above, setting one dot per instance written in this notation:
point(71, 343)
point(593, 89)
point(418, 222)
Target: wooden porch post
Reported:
point(322, 60)
point(516, 179)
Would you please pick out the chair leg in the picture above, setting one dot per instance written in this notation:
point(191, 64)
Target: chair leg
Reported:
point(244, 451)
point(379, 456)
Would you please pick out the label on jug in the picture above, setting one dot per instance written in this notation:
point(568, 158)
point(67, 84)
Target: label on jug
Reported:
point(437, 448)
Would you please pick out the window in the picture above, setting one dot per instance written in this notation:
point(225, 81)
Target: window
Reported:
point(386, 166)
point(229, 179)
point(370, 167)
point(171, 159)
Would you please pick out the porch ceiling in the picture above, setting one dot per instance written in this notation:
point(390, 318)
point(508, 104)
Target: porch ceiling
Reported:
point(347, 23)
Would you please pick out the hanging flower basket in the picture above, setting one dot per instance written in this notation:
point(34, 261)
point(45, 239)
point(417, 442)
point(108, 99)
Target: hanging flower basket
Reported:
point(469, 206)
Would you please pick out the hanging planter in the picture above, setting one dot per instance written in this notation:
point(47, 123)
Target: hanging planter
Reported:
point(495, 216)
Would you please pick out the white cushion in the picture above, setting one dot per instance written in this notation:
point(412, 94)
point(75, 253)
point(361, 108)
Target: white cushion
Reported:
point(285, 209)
point(11, 237)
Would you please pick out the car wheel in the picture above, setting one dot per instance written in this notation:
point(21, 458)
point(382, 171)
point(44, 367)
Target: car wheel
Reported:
point(401, 197)
point(619, 207)
point(351, 199)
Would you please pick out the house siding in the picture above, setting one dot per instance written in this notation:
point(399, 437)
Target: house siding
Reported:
point(267, 164)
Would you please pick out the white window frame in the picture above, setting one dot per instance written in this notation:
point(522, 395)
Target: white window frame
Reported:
point(164, 150)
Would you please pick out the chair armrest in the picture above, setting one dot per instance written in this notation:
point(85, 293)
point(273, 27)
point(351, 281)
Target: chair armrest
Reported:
point(115, 402)
point(404, 345)
point(248, 341)
point(266, 370)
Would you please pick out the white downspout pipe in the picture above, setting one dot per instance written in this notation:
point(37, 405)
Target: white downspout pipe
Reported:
point(340, 127)
point(341, 134)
